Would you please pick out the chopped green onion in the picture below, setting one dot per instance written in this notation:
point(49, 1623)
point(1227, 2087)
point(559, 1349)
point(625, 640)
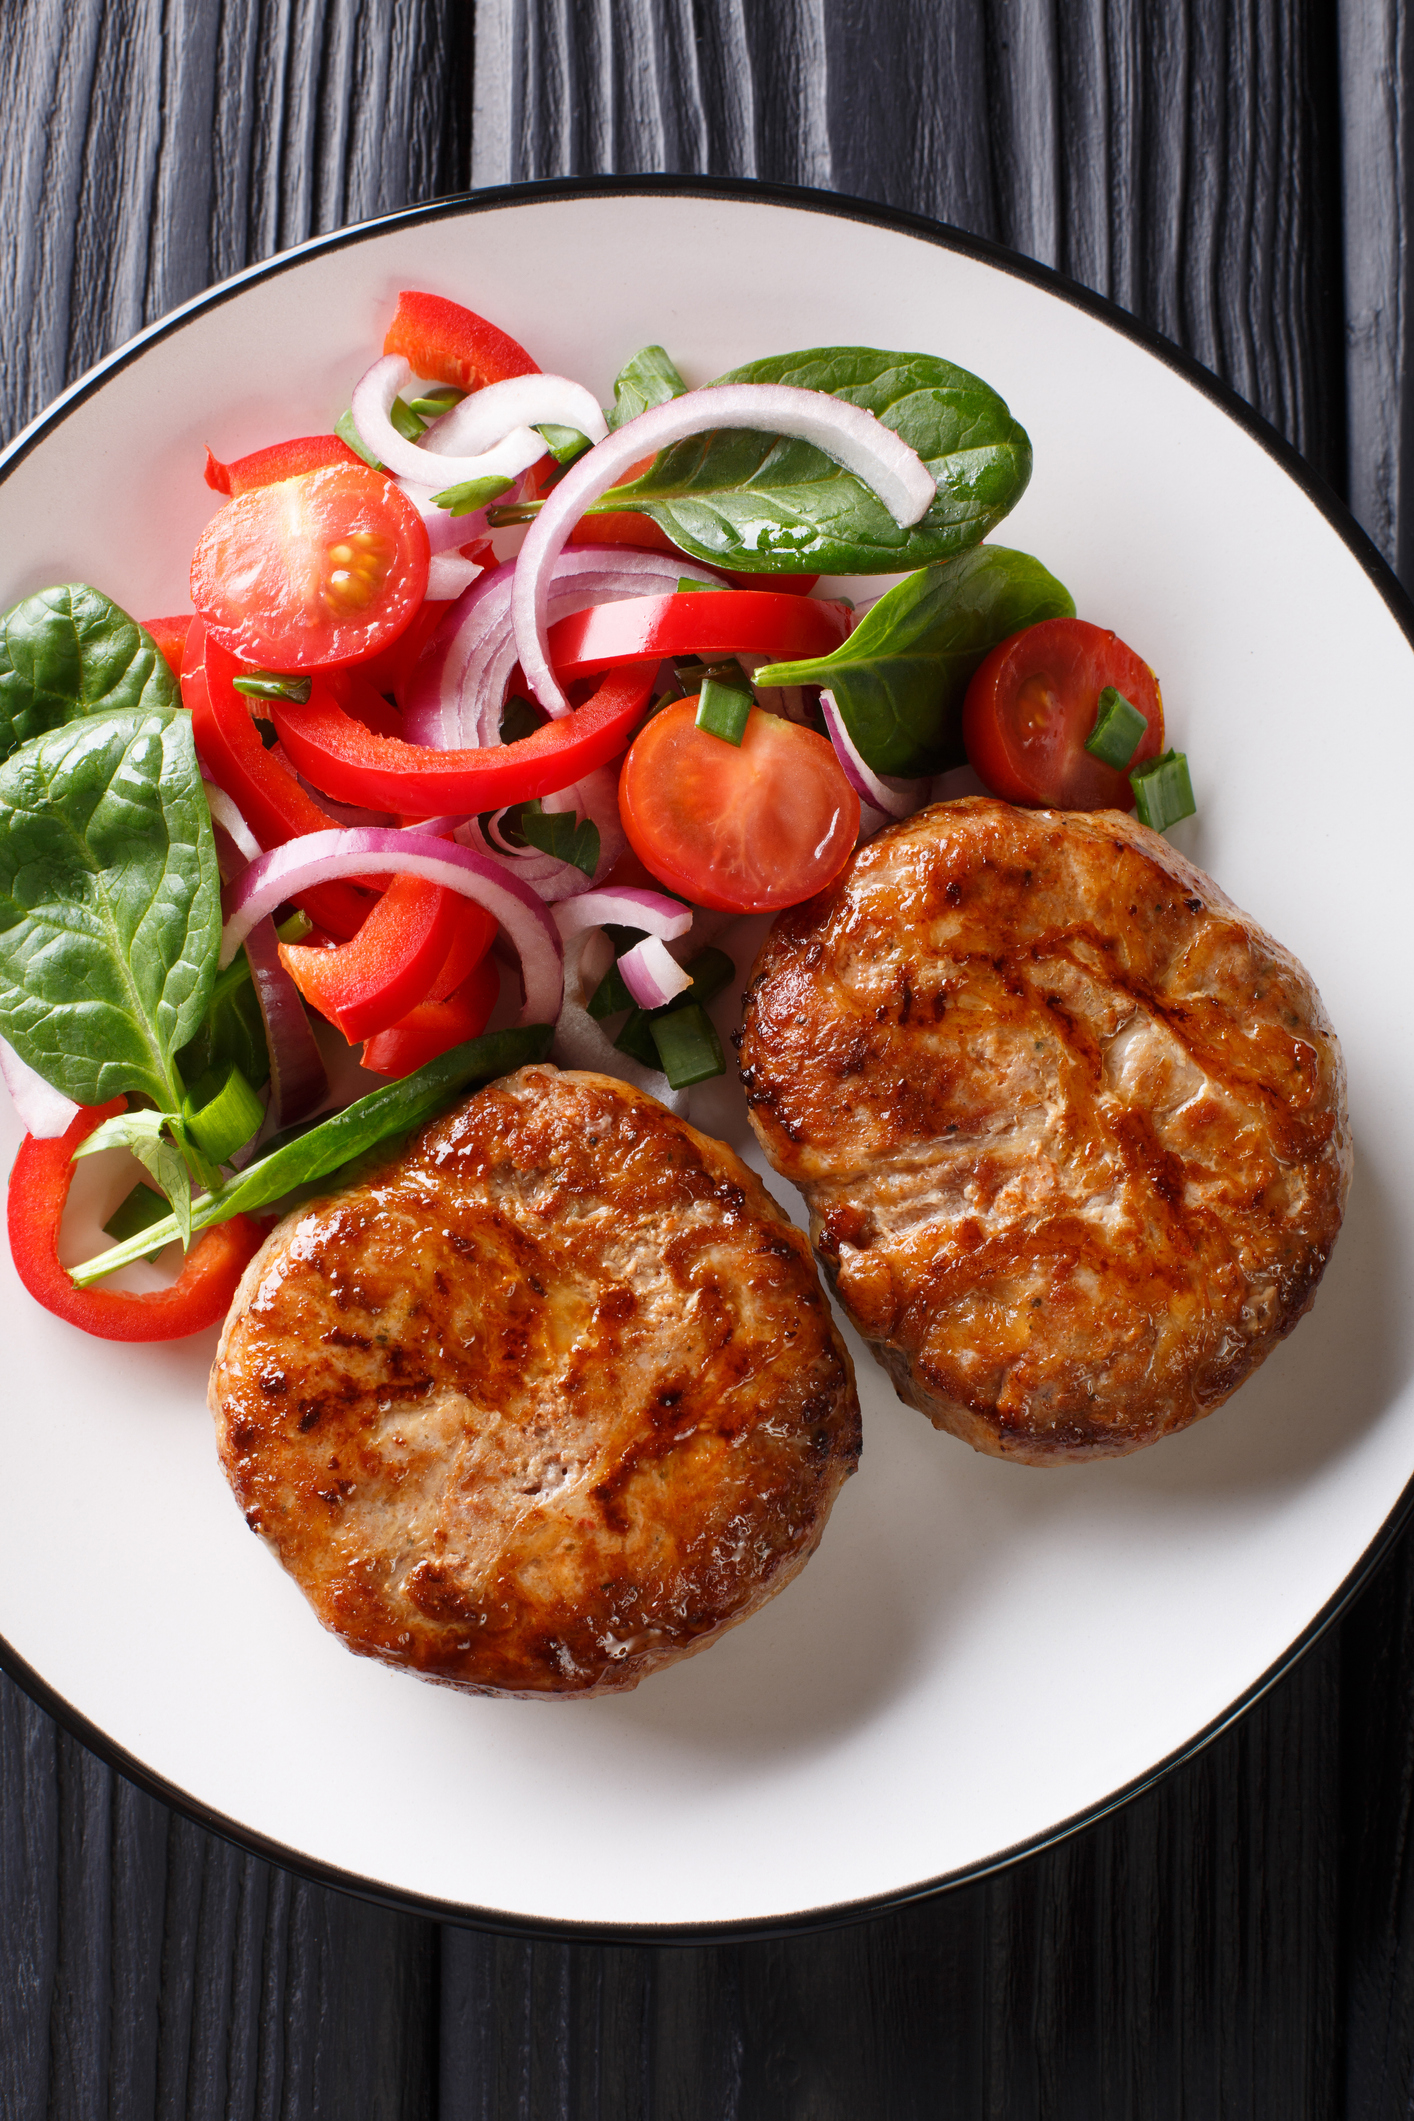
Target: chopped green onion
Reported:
point(709, 972)
point(467, 499)
point(1118, 728)
point(405, 421)
point(689, 1050)
point(688, 588)
point(295, 927)
point(137, 1212)
point(519, 719)
point(270, 685)
point(221, 1124)
point(1163, 792)
point(436, 402)
point(346, 431)
point(610, 996)
point(723, 709)
point(563, 443)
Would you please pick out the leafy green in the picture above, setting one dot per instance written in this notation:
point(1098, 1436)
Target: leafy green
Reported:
point(760, 502)
point(466, 499)
point(648, 379)
point(326, 1149)
point(68, 652)
point(404, 421)
point(435, 402)
point(561, 833)
point(563, 443)
point(110, 904)
point(143, 1132)
point(900, 678)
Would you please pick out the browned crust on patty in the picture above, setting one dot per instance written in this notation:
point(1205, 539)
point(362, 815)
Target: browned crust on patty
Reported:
point(547, 1403)
point(1071, 1128)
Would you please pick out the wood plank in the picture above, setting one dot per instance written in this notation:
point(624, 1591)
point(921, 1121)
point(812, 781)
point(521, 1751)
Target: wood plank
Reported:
point(152, 1970)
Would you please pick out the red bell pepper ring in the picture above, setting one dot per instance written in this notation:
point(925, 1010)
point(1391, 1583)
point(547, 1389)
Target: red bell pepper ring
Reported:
point(198, 1298)
point(268, 797)
point(282, 460)
point(444, 343)
point(390, 669)
point(707, 623)
point(348, 762)
point(170, 634)
point(436, 1025)
point(365, 985)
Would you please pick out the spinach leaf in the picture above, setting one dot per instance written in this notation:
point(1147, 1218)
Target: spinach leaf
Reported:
point(326, 1149)
point(67, 652)
point(900, 678)
point(760, 502)
point(561, 833)
point(648, 379)
point(110, 904)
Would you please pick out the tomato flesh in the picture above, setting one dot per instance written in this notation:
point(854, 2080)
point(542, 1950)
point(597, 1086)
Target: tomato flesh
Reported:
point(1032, 704)
point(743, 828)
point(318, 570)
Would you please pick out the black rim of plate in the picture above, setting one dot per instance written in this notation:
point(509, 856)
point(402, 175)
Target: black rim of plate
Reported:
point(1401, 607)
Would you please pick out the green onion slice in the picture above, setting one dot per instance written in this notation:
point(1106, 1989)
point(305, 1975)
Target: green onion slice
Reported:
point(1118, 728)
point(272, 685)
point(137, 1212)
point(222, 1123)
point(689, 1050)
point(723, 709)
point(1163, 792)
point(349, 435)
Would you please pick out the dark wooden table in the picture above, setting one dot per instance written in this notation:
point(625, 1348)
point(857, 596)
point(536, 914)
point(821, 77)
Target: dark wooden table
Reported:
point(1237, 1942)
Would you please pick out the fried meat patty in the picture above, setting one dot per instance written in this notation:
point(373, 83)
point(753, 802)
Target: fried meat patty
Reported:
point(1071, 1128)
point(550, 1401)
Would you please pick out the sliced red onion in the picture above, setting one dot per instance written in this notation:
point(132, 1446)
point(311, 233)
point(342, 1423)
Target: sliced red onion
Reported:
point(225, 813)
point(651, 911)
point(458, 684)
point(445, 532)
point(595, 798)
point(322, 857)
point(846, 433)
point(298, 1082)
point(581, 1042)
point(478, 422)
point(449, 573)
point(652, 974)
point(501, 439)
point(44, 1111)
point(550, 879)
point(894, 798)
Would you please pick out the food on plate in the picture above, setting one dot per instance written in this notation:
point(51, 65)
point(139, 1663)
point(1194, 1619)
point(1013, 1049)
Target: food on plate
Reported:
point(543, 1405)
point(1071, 1127)
point(1029, 719)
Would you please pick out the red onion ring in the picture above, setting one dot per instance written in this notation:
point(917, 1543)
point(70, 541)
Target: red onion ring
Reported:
point(651, 974)
point(321, 857)
point(458, 683)
point(44, 1111)
point(893, 798)
point(225, 814)
point(651, 911)
point(298, 1082)
point(852, 437)
point(501, 418)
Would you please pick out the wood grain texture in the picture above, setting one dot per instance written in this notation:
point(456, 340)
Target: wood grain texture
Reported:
point(1238, 1941)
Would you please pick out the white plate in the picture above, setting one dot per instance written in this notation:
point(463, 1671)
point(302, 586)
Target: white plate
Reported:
point(981, 1653)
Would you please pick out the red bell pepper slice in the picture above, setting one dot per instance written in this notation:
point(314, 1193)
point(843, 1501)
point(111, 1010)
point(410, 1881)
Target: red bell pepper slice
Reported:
point(268, 797)
point(198, 1298)
point(171, 637)
point(390, 669)
point(436, 1025)
point(367, 984)
point(282, 460)
point(707, 623)
point(340, 756)
point(445, 343)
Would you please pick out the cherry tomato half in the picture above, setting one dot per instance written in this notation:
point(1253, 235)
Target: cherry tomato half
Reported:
point(1032, 704)
point(326, 568)
point(744, 828)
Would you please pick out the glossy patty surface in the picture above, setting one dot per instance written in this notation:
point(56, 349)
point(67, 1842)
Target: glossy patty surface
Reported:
point(1071, 1128)
point(550, 1401)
